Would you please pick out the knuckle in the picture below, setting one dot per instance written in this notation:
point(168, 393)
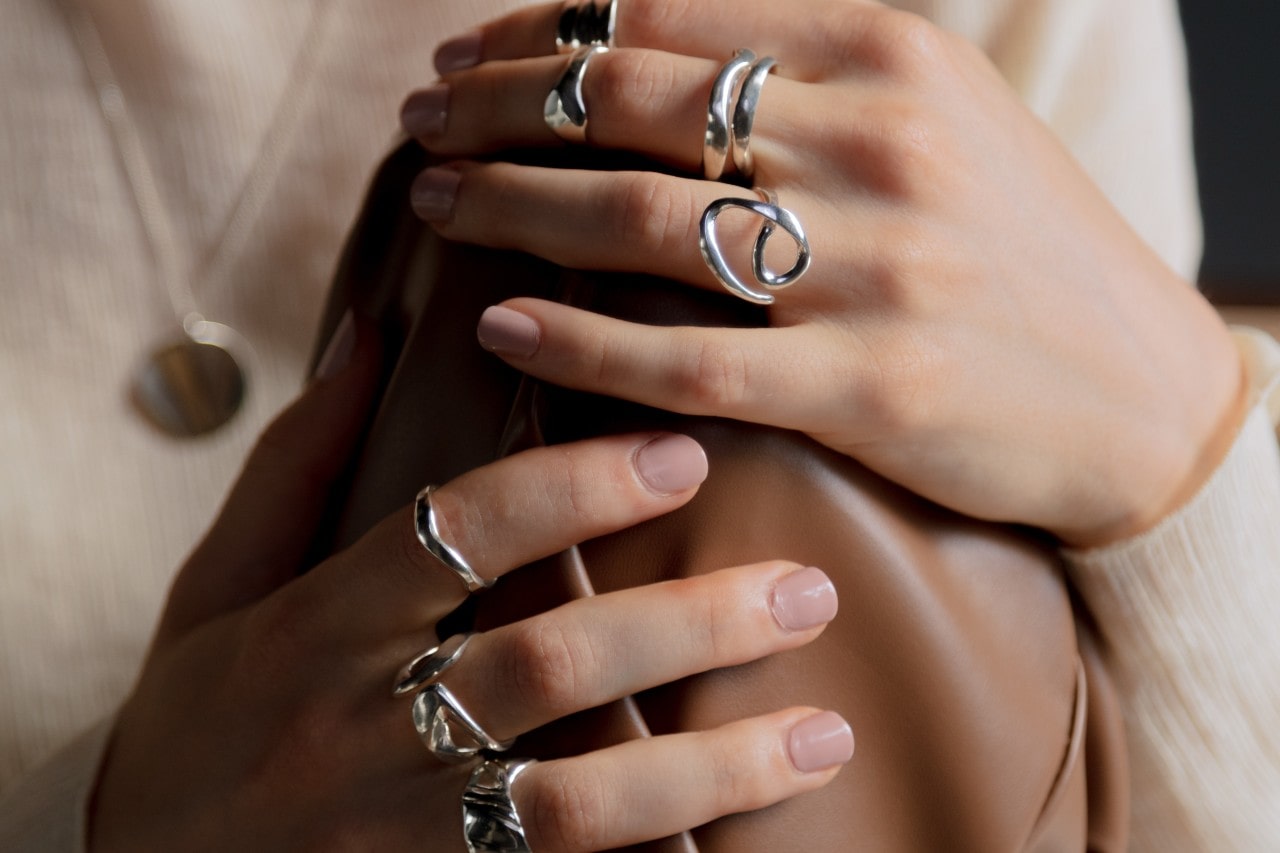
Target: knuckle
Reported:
point(635, 81)
point(897, 146)
point(904, 44)
point(548, 665)
point(567, 810)
point(739, 785)
point(654, 21)
point(712, 374)
point(654, 215)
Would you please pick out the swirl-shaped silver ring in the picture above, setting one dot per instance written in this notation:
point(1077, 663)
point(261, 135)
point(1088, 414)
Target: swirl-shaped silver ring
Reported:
point(775, 217)
point(427, 667)
point(565, 111)
point(448, 730)
point(744, 114)
point(586, 22)
point(424, 522)
point(490, 822)
point(718, 136)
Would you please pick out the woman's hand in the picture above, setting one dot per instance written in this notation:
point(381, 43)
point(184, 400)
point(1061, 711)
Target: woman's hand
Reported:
point(264, 719)
point(978, 324)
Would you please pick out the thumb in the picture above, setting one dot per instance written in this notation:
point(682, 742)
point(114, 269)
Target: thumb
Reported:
point(258, 540)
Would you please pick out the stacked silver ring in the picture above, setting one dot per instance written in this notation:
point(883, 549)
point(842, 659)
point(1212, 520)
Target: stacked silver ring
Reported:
point(737, 87)
point(424, 518)
point(448, 730)
point(490, 822)
point(565, 110)
point(586, 22)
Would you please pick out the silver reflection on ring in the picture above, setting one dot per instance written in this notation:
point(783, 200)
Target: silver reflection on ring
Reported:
point(427, 667)
point(424, 518)
point(716, 141)
point(448, 730)
point(744, 114)
point(565, 111)
point(490, 822)
point(586, 22)
point(775, 217)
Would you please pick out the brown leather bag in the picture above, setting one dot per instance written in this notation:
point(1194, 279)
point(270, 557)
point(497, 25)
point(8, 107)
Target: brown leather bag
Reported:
point(983, 719)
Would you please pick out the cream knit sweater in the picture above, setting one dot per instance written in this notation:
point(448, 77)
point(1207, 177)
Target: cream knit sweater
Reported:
point(96, 509)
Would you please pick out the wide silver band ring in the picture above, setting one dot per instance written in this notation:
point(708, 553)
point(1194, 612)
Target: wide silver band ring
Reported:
point(490, 822)
point(774, 217)
point(424, 518)
point(565, 111)
point(586, 22)
point(744, 114)
point(448, 730)
point(724, 91)
point(427, 667)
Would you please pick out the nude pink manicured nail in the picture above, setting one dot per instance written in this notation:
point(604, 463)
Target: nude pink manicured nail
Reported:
point(672, 464)
point(823, 740)
point(433, 192)
point(508, 332)
point(804, 599)
point(458, 53)
point(425, 112)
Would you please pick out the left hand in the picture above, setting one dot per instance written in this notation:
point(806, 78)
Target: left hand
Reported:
point(979, 324)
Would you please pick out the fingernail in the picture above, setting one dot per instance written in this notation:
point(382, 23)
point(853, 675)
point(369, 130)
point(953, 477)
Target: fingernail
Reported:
point(425, 111)
point(508, 332)
point(672, 464)
point(458, 53)
point(804, 599)
point(823, 740)
point(433, 193)
point(338, 352)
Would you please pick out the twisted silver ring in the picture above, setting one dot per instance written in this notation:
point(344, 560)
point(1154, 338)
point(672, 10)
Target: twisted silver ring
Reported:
point(716, 141)
point(490, 822)
point(586, 22)
point(427, 667)
point(448, 730)
point(775, 217)
point(744, 114)
point(424, 519)
point(565, 111)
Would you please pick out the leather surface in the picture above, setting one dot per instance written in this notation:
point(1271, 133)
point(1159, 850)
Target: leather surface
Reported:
point(983, 719)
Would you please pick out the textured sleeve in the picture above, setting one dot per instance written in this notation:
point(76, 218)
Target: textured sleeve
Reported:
point(1190, 614)
point(46, 812)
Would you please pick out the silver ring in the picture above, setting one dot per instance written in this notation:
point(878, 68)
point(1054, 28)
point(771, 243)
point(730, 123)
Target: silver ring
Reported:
point(775, 217)
point(716, 141)
point(565, 112)
point(424, 518)
point(490, 821)
point(427, 667)
point(448, 730)
point(744, 114)
point(586, 22)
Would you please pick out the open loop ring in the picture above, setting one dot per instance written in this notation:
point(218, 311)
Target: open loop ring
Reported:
point(424, 519)
point(427, 667)
point(490, 822)
point(586, 22)
point(448, 730)
point(775, 217)
point(565, 111)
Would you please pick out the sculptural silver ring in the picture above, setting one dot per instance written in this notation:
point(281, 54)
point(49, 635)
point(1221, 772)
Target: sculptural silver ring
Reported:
point(448, 729)
point(586, 22)
point(744, 114)
point(490, 822)
point(427, 667)
point(774, 217)
point(429, 535)
point(565, 111)
point(724, 91)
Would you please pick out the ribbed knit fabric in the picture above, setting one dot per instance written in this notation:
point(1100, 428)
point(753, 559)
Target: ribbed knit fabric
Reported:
point(97, 510)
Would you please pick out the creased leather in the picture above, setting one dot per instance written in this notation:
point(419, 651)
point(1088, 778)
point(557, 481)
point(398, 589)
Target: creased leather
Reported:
point(983, 718)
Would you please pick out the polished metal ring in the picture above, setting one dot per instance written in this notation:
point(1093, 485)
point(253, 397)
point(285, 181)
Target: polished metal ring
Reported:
point(744, 114)
point(424, 522)
point(490, 822)
point(716, 141)
point(448, 730)
point(565, 111)
point(427, 667)
point(586, 22)
point(774, 217)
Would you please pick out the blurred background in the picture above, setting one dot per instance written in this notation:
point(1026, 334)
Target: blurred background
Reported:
point(1234, 46)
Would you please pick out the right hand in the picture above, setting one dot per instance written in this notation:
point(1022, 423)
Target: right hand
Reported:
point(263, 717)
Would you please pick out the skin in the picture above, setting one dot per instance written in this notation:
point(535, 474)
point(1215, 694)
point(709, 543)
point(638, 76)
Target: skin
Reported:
point(979, 324)
point(263, 717)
